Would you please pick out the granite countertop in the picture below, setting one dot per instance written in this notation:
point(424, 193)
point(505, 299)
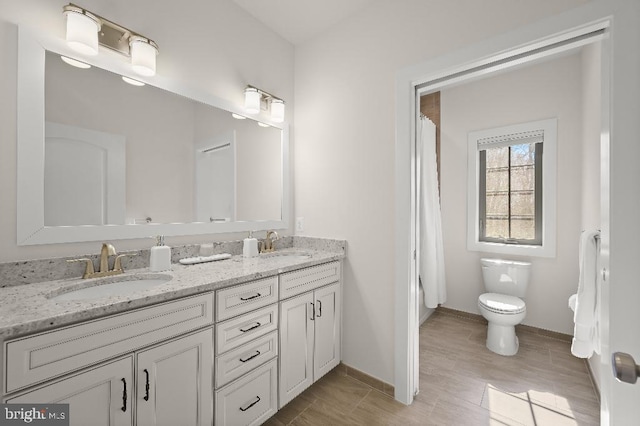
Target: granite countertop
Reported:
point(28, 308)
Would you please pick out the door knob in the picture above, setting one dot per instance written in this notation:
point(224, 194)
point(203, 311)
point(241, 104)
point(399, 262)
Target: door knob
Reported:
point(624, 367)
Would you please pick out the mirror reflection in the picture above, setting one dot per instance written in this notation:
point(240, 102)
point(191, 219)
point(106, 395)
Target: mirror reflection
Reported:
point(122, 154)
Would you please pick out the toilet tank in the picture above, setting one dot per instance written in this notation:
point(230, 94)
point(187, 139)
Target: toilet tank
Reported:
point(505, 276)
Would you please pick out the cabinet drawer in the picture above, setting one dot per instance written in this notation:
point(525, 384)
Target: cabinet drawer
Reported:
point(245, 358)
point(237, 331)
point(250, 400)
point(42, 356)
point(243, 298)
point(297, 282)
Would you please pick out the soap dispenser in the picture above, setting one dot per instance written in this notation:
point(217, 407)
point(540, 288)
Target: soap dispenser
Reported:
point(160, 259)
point(250, 247)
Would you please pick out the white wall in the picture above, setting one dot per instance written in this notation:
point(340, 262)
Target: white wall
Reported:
point(546, 90)
point(344, 156)
point(214, 46)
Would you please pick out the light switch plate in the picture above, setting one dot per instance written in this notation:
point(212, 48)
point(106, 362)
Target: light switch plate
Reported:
point(299, 224)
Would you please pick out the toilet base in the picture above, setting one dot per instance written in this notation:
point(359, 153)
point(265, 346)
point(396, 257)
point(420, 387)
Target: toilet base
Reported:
point(502, 339)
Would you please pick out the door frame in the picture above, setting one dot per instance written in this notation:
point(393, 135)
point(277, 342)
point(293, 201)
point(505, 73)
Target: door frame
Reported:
point(203, 147)
point(507, 50)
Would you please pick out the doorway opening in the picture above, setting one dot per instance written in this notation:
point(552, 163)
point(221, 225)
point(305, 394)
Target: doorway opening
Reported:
point(443, 73)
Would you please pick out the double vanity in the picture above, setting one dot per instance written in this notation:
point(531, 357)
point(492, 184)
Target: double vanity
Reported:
point(228, 342)
point(225, 343)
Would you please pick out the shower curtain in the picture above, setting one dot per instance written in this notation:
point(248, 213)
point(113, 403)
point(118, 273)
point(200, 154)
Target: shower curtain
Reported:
point(431, 263)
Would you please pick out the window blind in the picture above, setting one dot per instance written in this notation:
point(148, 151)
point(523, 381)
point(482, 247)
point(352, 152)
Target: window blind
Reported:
point(533, 136)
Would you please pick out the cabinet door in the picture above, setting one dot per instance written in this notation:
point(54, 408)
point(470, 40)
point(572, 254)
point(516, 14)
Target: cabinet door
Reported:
point(296, 346)
point(327, 331)
point(97, 397)
point(175, 381)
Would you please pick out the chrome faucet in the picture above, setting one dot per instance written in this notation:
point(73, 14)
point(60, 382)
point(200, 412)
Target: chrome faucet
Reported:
point(106, 251)
point(267, 244)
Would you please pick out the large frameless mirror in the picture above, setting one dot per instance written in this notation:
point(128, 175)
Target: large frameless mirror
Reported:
point(99, 158)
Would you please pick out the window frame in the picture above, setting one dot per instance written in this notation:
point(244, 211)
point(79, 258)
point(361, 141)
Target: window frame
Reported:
point(545, 243)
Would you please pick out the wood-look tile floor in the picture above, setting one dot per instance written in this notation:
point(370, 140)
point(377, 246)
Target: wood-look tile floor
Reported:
point(462, 383)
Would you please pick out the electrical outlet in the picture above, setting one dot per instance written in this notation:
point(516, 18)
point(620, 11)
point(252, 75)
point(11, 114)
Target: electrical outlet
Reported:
point(299, 224)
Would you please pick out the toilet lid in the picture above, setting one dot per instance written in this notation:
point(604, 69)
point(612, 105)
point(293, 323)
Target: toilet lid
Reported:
point(502, 303)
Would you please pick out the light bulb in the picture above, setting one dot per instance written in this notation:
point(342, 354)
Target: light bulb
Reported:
point(75, 63)
point(132, 82)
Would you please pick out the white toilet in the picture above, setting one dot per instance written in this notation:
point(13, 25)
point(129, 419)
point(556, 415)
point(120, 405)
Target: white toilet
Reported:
point(506, 282)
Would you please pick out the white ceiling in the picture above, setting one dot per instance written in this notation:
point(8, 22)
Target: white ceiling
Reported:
point(300, 20)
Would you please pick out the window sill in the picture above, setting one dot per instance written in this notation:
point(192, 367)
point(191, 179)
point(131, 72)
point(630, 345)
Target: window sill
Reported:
point(513, 249)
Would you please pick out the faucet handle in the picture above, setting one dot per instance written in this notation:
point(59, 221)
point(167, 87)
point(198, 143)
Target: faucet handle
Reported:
point(89, 268)
point(117, 265)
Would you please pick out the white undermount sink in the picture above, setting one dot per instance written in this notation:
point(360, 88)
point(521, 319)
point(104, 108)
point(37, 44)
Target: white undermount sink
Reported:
point(289, 255)
point(109, 286)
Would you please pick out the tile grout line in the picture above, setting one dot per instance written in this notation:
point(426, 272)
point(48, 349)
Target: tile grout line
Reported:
point(360, 401)
point(300, 413)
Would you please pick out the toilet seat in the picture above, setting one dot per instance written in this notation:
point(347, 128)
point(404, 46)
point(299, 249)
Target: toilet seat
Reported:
point(502, 303)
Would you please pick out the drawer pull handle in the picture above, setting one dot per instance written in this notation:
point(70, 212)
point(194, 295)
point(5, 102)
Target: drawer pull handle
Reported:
point(319, 309)
point(250, 297)
point(251, 405)
point(244, 330)
point(146, 386)
point(313, 311)
point(124, 395)
point(251, 357)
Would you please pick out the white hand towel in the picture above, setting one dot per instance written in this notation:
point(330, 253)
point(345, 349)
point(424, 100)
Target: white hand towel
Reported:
point(572, 302)
point(586, 337)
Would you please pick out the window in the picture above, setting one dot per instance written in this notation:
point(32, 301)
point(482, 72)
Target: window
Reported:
point(510, 193)
point(509, 208)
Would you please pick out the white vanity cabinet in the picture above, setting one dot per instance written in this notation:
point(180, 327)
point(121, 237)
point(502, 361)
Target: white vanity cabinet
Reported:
point(173, 387)
point(246, 377)
point(100, 396)
point(174, 382)
point(102, 367)
point(310, 328)
point(228, 359)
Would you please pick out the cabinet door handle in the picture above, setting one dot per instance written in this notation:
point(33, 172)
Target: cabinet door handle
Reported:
point(313, 311)
point(146, 385)
point(319, 309)
point(124, 395)
point(244, 330)
point(250, 297)
point(251, 405)
point(251, 357)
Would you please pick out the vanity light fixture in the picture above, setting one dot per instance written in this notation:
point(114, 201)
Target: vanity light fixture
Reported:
point(75, 63)
point(254, 98)
point(86, 30)
point(238, 116)
point(261, 124)
point(132, 82)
